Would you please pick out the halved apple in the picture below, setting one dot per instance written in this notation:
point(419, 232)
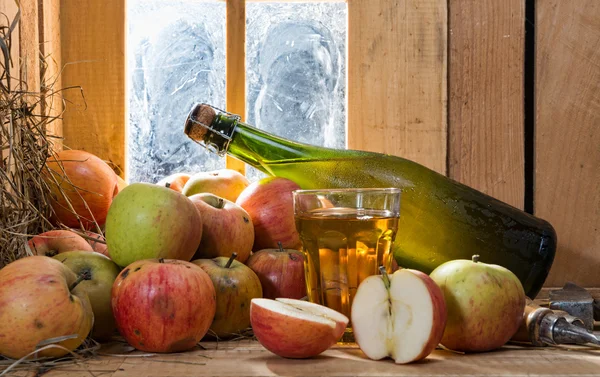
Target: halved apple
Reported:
point(295, 328)
point(401, 316)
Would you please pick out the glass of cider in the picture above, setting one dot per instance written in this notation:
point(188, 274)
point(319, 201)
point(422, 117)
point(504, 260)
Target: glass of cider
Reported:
point(346, 235)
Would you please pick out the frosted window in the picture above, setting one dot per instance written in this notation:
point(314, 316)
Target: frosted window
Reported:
point(176, 57)
point(296, 71)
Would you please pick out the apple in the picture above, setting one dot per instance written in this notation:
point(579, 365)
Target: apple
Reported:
point(97, 242)
point(281, 272)
point(40, 300)
point(226, 228)
point(99, 274)
point(270, 204)
point(295, 328)
point(57, 241)
point(163, 305)
point(175, 181)
point(88, 187)
point(401, 316)
point(485, 304)
point(235, 285)
point(225, 183)
point(149, 221)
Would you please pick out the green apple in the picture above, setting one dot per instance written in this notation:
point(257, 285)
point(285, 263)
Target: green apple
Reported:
point(485, 304)
point(225, 183)
point(99, 274)
point(148, 221)
point(235, 285)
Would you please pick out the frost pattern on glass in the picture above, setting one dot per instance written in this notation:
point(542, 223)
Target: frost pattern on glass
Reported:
point(296, 71)
point(176, 57)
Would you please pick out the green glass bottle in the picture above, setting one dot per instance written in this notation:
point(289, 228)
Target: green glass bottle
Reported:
point(440, 219)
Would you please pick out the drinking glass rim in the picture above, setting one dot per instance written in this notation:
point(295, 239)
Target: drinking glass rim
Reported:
point(383, 190)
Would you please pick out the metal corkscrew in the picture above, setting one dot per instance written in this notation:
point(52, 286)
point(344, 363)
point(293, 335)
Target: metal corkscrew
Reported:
point(542, 327)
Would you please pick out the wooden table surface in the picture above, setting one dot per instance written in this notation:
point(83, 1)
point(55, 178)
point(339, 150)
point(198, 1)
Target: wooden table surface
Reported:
point(248, 358)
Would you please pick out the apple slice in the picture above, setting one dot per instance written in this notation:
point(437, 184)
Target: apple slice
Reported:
point(401, 316)
point(295, 328)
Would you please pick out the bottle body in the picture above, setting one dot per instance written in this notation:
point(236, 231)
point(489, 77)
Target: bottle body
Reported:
point(440, 219)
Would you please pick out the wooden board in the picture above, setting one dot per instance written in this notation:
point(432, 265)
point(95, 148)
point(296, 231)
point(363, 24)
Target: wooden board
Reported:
point(236, 67)
point(485, 110)
point(93, 52)
point(397, 78)
point(567, 135)
point(248, 358)
point(49, 24)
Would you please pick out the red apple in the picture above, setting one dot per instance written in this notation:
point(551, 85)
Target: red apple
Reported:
point(88, 185)
point(163, 305)
point(175, 181)
point(224, 183)
point(235, 285)
point(41, 299)
point(226, 228)
point(270, 204)
point(97, 242)
point(58, 241)
point(401, 316)
point(295, 328)
point(281, 272)
point(485, 303)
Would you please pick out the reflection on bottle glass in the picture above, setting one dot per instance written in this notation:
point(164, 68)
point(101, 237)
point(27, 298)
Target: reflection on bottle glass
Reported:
point(175, 57)
point(296, 71)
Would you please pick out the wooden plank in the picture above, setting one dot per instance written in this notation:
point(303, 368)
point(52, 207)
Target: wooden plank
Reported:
point(397, 53)
point(235, 75)
point(8, 12)
point(567, 136)
point(29, 49)
point(248, 358)
point(51, 73)
point(92, 35)
point(486, 120)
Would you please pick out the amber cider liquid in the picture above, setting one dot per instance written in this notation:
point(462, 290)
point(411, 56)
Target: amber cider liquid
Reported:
point(343, 246)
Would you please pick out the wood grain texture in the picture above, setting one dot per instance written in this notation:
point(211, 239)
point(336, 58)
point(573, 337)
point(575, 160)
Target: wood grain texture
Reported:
point(235, 76)
point(486, 114)
point(92, 38)
point(50, 49)
point(567, 136)
point(397, 90)
point(29, 50)
point(248, 358)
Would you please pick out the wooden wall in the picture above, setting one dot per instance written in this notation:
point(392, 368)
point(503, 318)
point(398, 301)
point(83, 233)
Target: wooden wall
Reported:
point(443, 80)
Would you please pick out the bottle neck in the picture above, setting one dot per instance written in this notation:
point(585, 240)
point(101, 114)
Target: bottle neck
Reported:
point(251, 145)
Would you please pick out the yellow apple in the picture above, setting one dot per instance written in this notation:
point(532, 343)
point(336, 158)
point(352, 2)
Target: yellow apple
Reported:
point(225, 183)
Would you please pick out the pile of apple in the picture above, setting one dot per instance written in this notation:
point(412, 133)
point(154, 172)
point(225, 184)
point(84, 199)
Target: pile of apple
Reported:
point(209, 255)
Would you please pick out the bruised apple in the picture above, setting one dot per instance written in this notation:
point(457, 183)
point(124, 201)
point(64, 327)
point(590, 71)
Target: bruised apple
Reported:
point(57, 241)
point(295, 328)
point(163, 305)
point(82, 188)
point(40, 299)
point(401, 316)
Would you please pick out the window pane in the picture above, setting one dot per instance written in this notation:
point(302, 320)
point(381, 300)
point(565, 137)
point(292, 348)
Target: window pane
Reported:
point(176, 57)
point(296, 71)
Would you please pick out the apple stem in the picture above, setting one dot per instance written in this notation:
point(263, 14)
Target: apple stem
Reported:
point(84, 275)
point(161, 260)
point(385, 277)
point(230, 261)
point(168, 185)
point(280, 246)
point(475, 258)
point(221, 203)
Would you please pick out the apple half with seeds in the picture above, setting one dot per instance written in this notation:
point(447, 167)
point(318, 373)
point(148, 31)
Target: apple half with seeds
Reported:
point(294, 328)
point(401, 316)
